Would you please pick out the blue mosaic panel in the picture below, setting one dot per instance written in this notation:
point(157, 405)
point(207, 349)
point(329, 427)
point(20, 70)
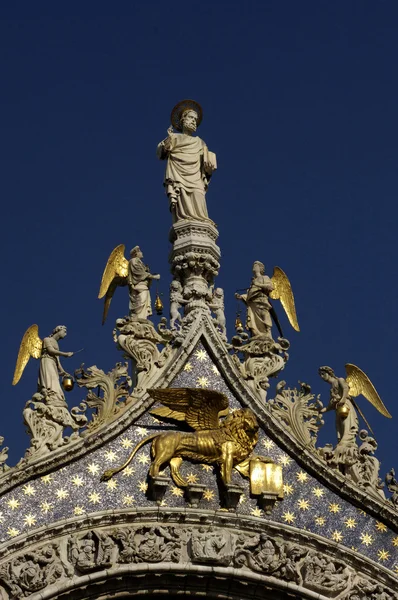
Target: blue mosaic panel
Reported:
point(76, 489)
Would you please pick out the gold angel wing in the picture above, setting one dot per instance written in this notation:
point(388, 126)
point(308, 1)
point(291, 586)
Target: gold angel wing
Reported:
point(359, 383)
point(115, 273)
point(283, 292)
point(199, 408)
point(31, 346)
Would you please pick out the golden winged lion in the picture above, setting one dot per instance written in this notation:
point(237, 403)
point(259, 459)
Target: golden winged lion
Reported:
point(228, 443)
point(257, 300)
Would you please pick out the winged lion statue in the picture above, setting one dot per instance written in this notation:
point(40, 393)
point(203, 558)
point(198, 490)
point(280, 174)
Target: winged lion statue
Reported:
point(228, 443)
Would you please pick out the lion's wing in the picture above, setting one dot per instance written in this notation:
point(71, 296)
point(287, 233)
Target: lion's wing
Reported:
point(199, 408)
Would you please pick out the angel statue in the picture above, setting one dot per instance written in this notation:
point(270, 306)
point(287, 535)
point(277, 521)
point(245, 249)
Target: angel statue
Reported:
point(228, 443)
point(342, 394)
point(119, 272)
point(47, 414)
point(190, 164)
point(259, 307)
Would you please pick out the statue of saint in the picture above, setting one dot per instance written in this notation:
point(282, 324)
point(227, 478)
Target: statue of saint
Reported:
point(139, 280)
point(259, 320)
point(190, 164)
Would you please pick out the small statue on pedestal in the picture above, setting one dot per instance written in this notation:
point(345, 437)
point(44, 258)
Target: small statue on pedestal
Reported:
point(176, 302)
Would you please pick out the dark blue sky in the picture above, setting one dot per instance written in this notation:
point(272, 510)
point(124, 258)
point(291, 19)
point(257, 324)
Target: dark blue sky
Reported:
point(300, 105)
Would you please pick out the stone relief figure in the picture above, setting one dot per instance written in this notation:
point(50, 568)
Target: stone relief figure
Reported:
point(135, 274)
point(217, 306)
point(392, 485)
point(355, 462)
point(177, 300)
point(321, 573)
point(257, 300)
point(190, 164)
point(3, 456)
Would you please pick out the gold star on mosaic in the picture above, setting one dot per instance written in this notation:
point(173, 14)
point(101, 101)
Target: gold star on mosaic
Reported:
point(303, 504)
point(284, 460)
point(143, 459)
point(350, 523)
point(126, 443)
point(12, 532)
point(29, 490)
point(141, 431)
point(334, 507)
point(320, 521)
point(128, 471)
point(206, 467)
point(201, 355)
point(93, 468)
point(288, 517)
point(301, 476)
point(29, 520)
point(268, 444)
point(110, 456)
point(176, 491)
point(318, 492)
point(337, 536)
point(288, 489)
point(143, 486)
point(46, 506)
point(94, 497)
point(128, 500)
point(215, 370)
point(366, 539)
point(13, 503)
point(78, 510)
point(46, 478)
point(395, 542)
point(188, 367)
point(383, 555)
point(202, 382)
point(362, 512)
point(256, 512)
point(191, 478)
point(77, 480)
point(62, 494)
point(111, 484)
point(208, 495)
point(381, 527)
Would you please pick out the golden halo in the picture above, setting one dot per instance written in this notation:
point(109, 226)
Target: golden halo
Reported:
point(182, 107)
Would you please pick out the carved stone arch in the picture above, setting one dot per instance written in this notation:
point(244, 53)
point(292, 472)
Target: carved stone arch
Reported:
point(157, 581)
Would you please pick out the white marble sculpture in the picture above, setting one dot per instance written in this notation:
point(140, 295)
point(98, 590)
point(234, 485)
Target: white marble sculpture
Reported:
point(139, 280)
point(217, 306)
point(259, 320)
point(189, 163)
point(176, 302)
point(50, 364)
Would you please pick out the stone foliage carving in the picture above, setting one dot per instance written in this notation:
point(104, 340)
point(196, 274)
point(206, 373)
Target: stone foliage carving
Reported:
point(270, 556)
point(139, 341)
point(46, 419)
point(299, 411)
point(262, 358)
point(113, 392)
